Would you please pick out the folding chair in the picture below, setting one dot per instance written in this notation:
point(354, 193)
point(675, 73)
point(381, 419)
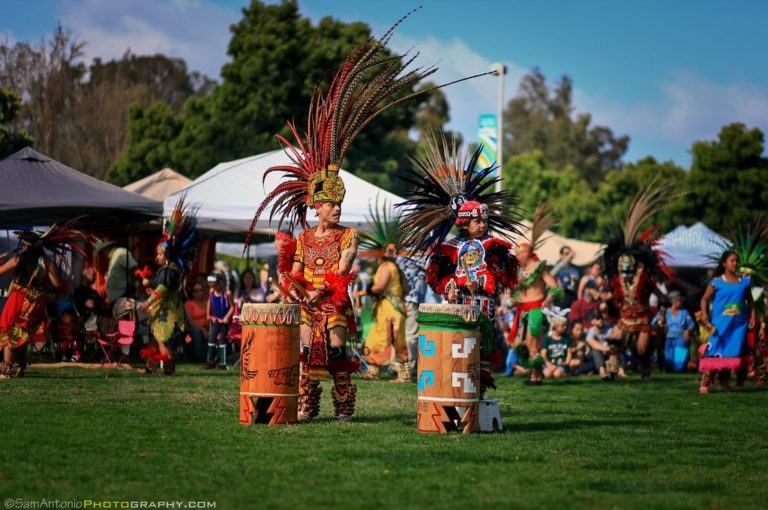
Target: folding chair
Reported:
point(117, 348)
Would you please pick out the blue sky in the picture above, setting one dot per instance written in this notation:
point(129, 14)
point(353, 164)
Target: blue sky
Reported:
point(664, 72)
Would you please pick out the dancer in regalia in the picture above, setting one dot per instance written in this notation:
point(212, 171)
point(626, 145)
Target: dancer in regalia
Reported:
point(385, 344)
point(536, 289)
point(368, 83)
point(733, 314)
point(24, 311)
point(174, 255)
point(635, 268)
point(448, 190)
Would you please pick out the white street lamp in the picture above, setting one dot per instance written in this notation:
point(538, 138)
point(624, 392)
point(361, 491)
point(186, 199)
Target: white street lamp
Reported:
point(500, 70)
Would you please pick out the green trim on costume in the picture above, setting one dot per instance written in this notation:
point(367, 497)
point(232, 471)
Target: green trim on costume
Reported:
point(532, 277)
point(535, 320)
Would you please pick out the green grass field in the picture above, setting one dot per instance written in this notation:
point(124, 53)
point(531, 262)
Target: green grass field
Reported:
point(95, 434)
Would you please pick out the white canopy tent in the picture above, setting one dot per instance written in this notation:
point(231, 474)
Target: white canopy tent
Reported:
point(692, 246)
point(230, 192)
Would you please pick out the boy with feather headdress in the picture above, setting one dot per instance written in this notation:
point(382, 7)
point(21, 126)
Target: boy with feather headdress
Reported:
point(447, 191)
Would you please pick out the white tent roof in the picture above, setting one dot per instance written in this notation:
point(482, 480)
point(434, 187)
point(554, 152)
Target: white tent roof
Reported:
point(585, 252)
point(230, 192)
point(692, 246)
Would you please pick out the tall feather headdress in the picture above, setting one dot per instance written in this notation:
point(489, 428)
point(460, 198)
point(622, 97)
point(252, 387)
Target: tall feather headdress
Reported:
point(649, 200)
point(543, 221)
point(58, 240)
point(180, 237)
point(446, 178)
point(384, 238)
point(368, 83)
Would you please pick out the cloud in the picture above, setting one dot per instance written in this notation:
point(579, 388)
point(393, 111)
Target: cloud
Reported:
point(456, 59)
point(690, 107)
point(196, 31)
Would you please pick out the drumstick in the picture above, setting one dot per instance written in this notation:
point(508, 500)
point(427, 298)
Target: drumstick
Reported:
point(279, 288)
point(296, 285)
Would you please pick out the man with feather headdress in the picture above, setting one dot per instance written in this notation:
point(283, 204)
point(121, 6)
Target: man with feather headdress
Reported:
point(367, 84)
point(385, 344)
point(24, 311)
point(174, 256)
point(634, 266)
point(447, 190)
point(535, 290)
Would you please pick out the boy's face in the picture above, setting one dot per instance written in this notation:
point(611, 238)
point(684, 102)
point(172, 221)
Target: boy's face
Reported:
point(560, 327)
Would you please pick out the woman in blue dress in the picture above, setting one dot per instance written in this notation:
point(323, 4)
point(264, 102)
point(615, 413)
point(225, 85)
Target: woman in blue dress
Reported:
point(733, 313)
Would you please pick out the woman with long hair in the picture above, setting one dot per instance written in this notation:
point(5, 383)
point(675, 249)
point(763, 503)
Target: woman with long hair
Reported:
point(733, 312)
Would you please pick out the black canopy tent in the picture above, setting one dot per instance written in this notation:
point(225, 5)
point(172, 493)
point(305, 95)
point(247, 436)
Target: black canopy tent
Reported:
point(38, 190)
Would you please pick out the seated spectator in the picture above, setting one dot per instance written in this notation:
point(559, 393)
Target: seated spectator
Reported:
point(582, 307)
point(513, 366)
point(249, 292)
point(88, 302)
point(68, 334)
point(197, 324)
point(679, 326)
point(580, 363)
point(555, 348)
point(597, 339)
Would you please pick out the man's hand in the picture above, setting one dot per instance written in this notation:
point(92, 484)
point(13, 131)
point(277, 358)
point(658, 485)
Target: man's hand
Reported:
point(312, 296)
point(144, 306)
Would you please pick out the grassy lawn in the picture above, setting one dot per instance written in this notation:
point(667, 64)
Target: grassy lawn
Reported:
point(115, 435)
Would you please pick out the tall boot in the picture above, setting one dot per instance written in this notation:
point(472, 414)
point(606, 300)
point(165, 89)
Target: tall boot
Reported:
point(309, 397)
point(645, 364)
point(344, 394)
point(21, 362)
point(741, 376)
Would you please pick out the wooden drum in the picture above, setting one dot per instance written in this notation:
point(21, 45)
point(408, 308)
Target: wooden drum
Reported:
point(449, 368)
point(269, 363)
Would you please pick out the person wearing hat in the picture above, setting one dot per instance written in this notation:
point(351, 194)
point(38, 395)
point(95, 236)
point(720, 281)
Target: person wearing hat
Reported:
point(678, 325)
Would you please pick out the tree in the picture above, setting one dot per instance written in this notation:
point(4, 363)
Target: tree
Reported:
point(588, 214)
point(10, 141)
point(729, 179)
point(79, 115)
point(278, 59)
point(150, 136)
point(543, 120)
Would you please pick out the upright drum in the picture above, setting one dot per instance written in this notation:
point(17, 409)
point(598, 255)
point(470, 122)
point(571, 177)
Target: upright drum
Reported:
point(449, 368)
point(269, 363)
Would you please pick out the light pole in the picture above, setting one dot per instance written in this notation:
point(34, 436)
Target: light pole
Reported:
point(500, 70)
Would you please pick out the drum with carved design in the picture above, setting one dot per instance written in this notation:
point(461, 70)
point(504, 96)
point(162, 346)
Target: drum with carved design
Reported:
point(269, 363)
point(449, 368)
